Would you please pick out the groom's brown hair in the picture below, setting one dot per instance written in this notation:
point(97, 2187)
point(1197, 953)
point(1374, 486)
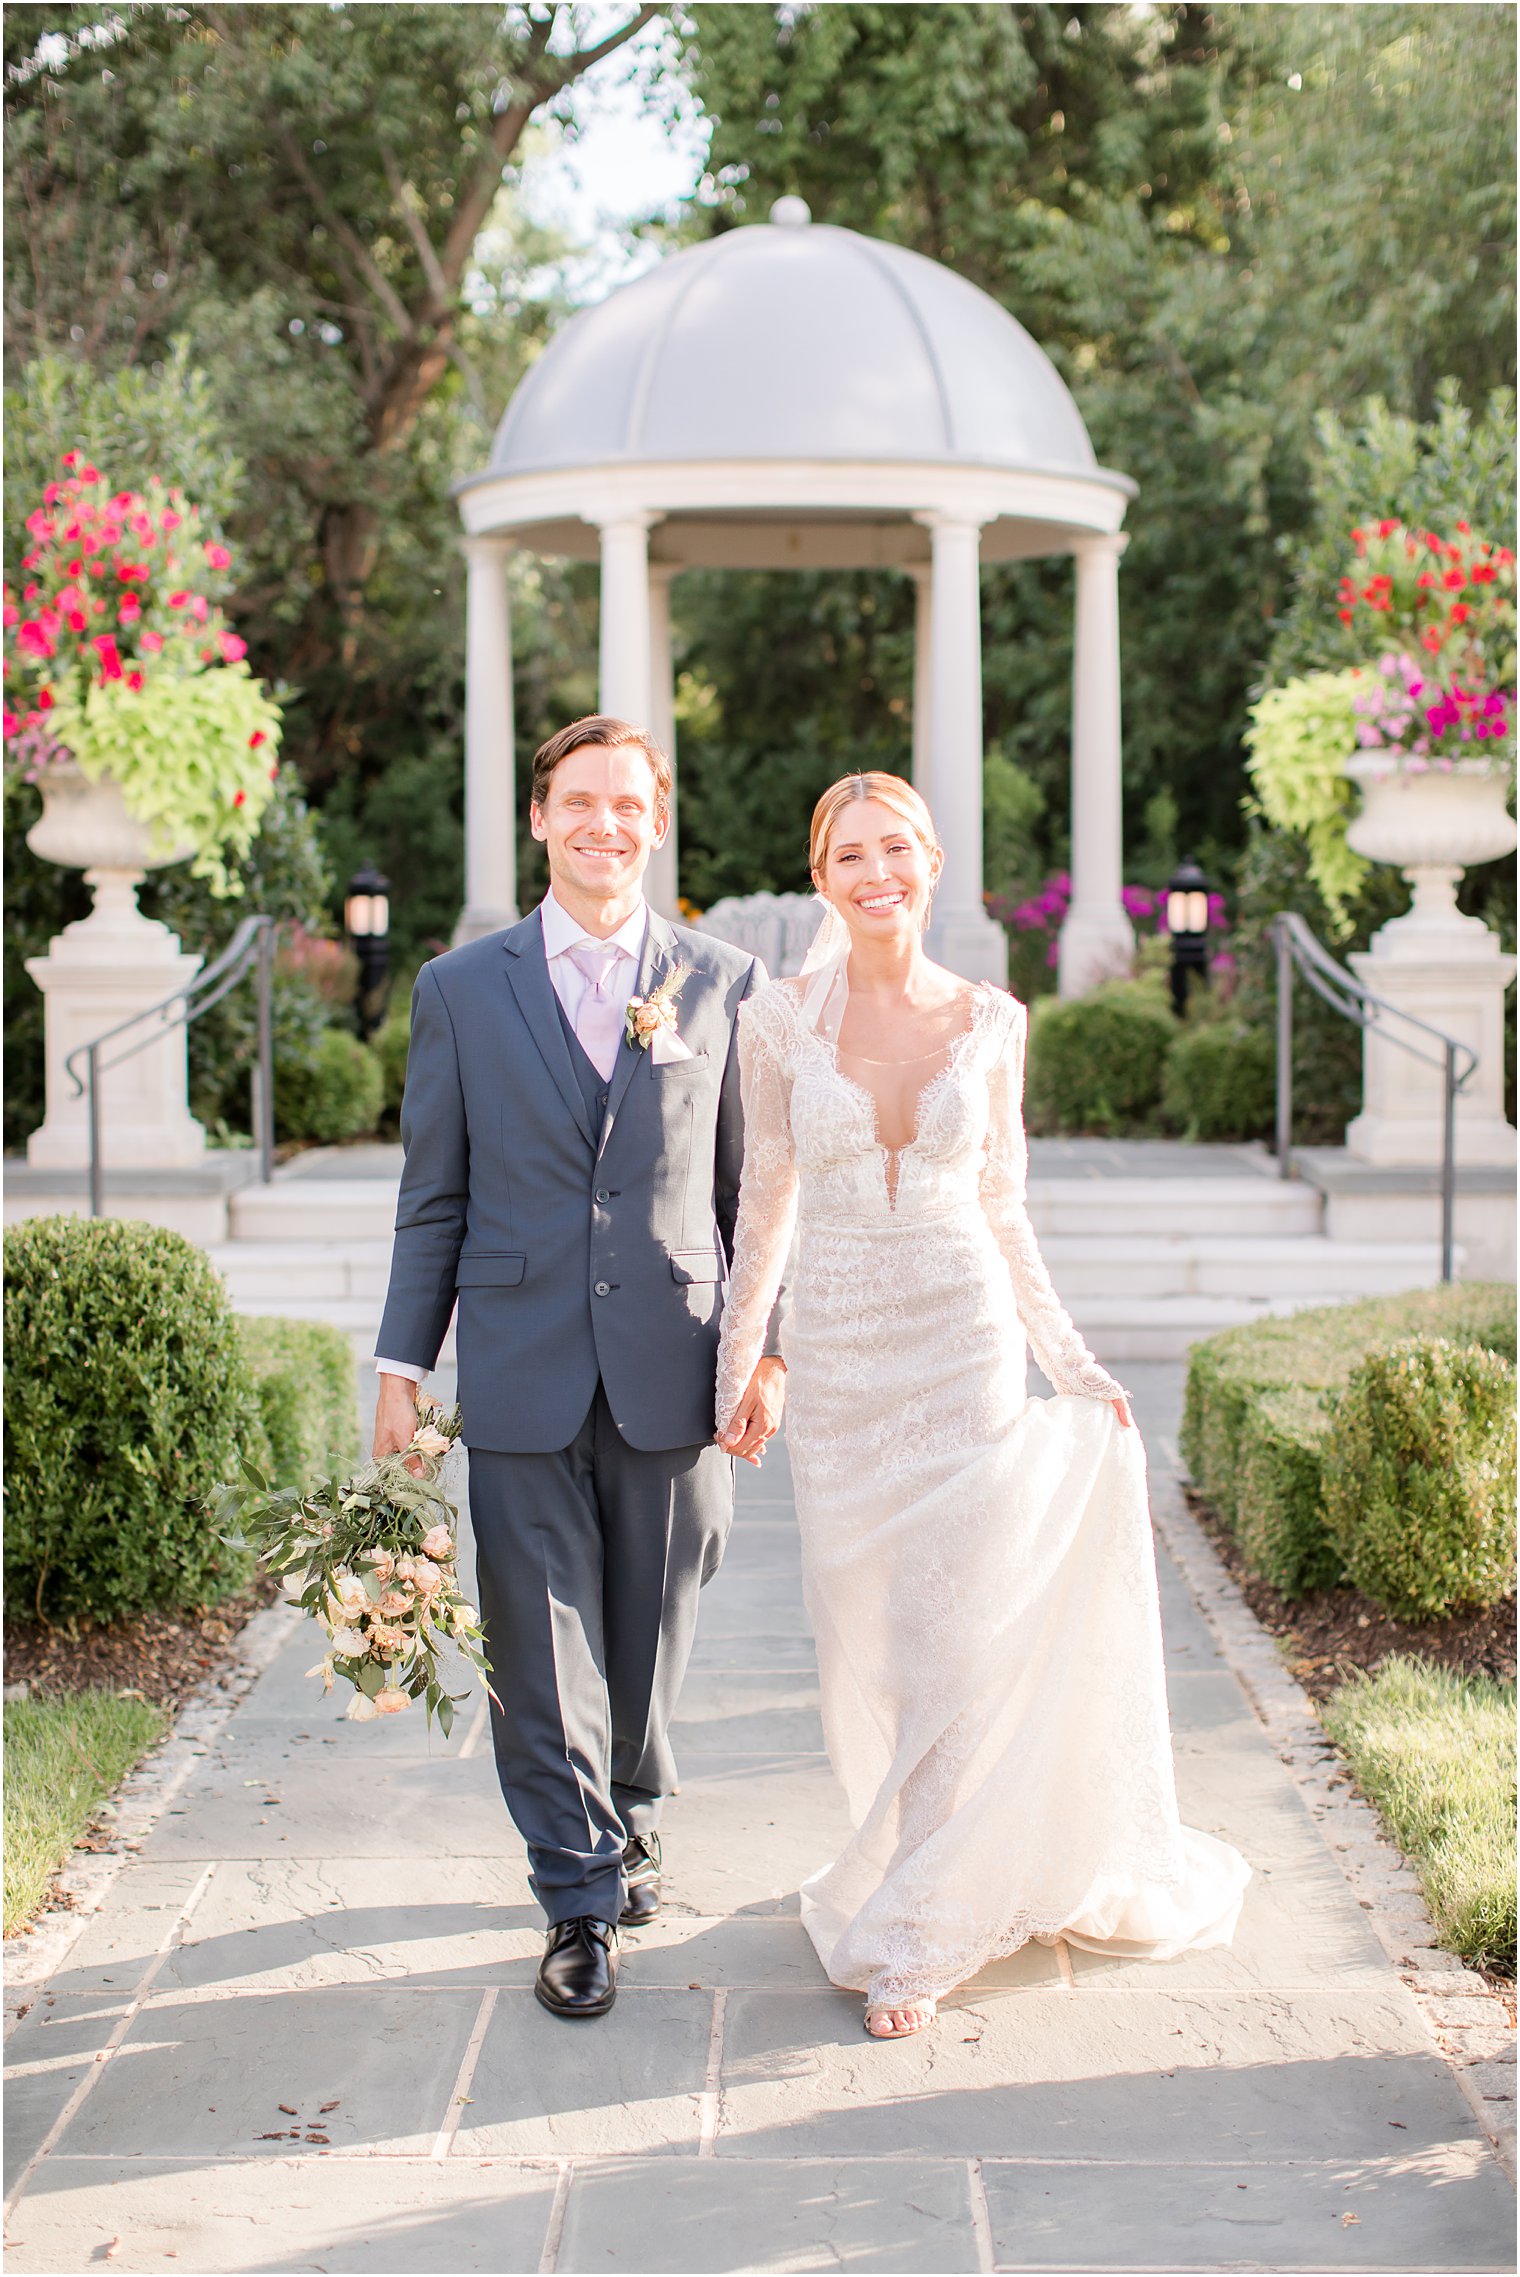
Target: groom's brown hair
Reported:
point(612, 735)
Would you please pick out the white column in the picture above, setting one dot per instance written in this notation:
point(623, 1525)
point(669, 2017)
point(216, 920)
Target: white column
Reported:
point(1097, 939)
point(961, 934)
point(490, 782)
point(661, 883)
point(625, 631)
point(923, 677)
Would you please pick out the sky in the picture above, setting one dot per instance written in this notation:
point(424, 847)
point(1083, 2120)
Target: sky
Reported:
point(634, 146)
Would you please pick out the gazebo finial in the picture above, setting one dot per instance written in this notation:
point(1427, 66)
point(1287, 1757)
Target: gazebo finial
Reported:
point(791, 213)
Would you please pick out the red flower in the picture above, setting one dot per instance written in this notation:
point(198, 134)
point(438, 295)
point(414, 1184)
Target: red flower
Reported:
point(240, 799)
point(274, 772)
point(1431, 638)
point(1465, 528)
point(1484, 573)
point(1386, 529)
point(11, 724)
point(89, 474)
point(71, 458)
point(31, 592)
point(44, 699)
point(110, 662)
point(1432, 541)
point(1454, 579)
point(130, 610)
point(1345, 615)
point(134, 681)
point(1427, 577)
point(1460, 614)
point(256, 739)
point(34, 639)
point(178, 600)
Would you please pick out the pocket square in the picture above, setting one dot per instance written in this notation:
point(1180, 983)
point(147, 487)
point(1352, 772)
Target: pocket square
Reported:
point(667, 1047)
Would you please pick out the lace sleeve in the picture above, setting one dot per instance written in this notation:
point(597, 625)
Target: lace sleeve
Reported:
point(1052, 1334)
point(767, 1198)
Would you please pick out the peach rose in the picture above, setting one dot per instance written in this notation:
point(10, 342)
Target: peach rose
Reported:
point(381, 1564)
point(426, 1577)
point(351, 1644)
point(385, 1639)
point(395, 1603)
point(428, 1441)
point(390, 1701)
point(438, 1543)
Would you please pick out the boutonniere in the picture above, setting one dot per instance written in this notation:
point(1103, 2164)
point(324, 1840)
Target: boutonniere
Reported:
point(651, 1021)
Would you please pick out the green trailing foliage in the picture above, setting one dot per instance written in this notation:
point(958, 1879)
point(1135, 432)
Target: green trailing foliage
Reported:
point(1418, 1477)
point(127, 1397)
point(303, 1378)
point(334, 1095)
point(1219, 1081)
point(1434, 1751)
point(1095, 1061)
point(392, 1042)
point(1260, 1401)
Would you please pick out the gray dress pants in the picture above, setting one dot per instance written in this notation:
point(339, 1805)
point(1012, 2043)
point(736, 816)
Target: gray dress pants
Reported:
point(589, 1565)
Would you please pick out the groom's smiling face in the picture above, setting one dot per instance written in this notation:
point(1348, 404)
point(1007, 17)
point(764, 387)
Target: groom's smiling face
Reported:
point(599, 823)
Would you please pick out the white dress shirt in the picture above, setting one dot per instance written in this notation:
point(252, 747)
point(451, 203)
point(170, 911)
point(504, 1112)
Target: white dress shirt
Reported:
point(562, 933)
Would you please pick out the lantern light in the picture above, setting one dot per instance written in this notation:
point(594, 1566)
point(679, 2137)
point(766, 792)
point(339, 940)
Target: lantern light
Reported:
point(367, 916)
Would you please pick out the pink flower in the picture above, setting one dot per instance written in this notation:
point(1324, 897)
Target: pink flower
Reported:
point(35, 641)
point(219, 557)
point(170, 520)
point(438, 1542)
point(254, 741)
point(12, 724)
point(110, 662)
point(130, 610)
point(233, 648)
point(153, 642)
point(178, 600)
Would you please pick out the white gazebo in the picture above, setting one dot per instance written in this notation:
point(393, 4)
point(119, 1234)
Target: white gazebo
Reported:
point(797, 396)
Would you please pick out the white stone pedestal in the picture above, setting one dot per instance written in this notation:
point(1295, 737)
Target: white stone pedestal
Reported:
point(98, 972)
point(969, 942)
point(1446, 969)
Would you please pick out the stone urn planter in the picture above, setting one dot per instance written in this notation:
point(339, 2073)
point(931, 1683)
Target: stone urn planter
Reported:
point(1433, 963)
point(1432, 825)
point(101, 970)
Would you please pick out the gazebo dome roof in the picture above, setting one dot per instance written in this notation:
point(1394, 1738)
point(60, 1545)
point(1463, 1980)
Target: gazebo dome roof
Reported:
point(794, 340)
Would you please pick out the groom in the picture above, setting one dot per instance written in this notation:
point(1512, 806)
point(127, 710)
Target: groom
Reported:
point(573, 1174)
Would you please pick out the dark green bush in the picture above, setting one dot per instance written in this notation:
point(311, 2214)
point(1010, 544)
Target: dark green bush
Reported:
point(1279, 1518)
point(1419, 1477)
point(1232, 1377)
point(127, 1398)
point(1095, 1061)
point(1219, 1081)
point(332, 1094)
point(391, 1044)
point(303, 1377)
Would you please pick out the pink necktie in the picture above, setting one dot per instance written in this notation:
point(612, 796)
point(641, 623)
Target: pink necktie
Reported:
point(599, 1021)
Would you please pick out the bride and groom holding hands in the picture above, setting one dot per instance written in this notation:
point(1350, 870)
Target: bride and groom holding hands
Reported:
point(620, 1137)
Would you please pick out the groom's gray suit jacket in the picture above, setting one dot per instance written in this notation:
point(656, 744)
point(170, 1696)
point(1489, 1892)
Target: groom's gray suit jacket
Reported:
point(576, 1250)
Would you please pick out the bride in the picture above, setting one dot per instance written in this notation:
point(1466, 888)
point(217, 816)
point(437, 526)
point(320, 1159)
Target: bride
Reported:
point(977, 1564)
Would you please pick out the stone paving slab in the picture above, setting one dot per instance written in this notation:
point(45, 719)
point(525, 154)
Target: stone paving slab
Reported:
point(1432, 2211)
point(186, 2216)
point(333, 1913)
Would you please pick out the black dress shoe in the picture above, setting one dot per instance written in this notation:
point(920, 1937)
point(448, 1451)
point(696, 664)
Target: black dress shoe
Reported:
point(641, 1873)
point(578, 1973)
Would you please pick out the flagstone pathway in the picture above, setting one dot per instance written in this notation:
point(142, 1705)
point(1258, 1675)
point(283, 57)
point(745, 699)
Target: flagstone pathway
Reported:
point(299, 2034)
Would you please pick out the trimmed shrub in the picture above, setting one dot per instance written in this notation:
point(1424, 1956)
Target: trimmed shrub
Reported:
point(1219, 1081)
point(330, 1095)
point(1279, 1514)
point(392, 1042)
point(1095, 1061)
point(1419, 1477)
point(303, 1378)
point(127, 1398)
point(1231, 1376)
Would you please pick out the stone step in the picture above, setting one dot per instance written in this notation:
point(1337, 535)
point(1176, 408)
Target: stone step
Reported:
point(1120, 1328)
point(1180, 1205)
point(1306, 1268)
point(265, 1275)
point(315, 1209)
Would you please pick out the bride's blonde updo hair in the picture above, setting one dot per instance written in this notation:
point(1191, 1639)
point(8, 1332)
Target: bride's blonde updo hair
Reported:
point(887, 790)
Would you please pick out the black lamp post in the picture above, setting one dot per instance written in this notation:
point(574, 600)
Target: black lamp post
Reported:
point(1187, 923)
point(367, 917)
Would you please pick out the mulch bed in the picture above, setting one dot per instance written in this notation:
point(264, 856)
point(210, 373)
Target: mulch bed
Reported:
point(162, 1656)
point(1333, 1633)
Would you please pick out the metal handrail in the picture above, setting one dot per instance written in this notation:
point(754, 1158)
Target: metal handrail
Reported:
point(252, 944)
point(1344, 993)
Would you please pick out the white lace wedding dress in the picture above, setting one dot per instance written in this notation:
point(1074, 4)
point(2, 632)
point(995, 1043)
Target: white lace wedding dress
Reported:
point(977, 1564)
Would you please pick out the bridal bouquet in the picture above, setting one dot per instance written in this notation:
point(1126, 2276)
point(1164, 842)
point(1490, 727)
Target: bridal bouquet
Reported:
point(372, 1558)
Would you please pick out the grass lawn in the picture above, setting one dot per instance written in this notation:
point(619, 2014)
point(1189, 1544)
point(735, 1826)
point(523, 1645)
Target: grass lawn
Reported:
point(62, 1758)
point(1435, 1752)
